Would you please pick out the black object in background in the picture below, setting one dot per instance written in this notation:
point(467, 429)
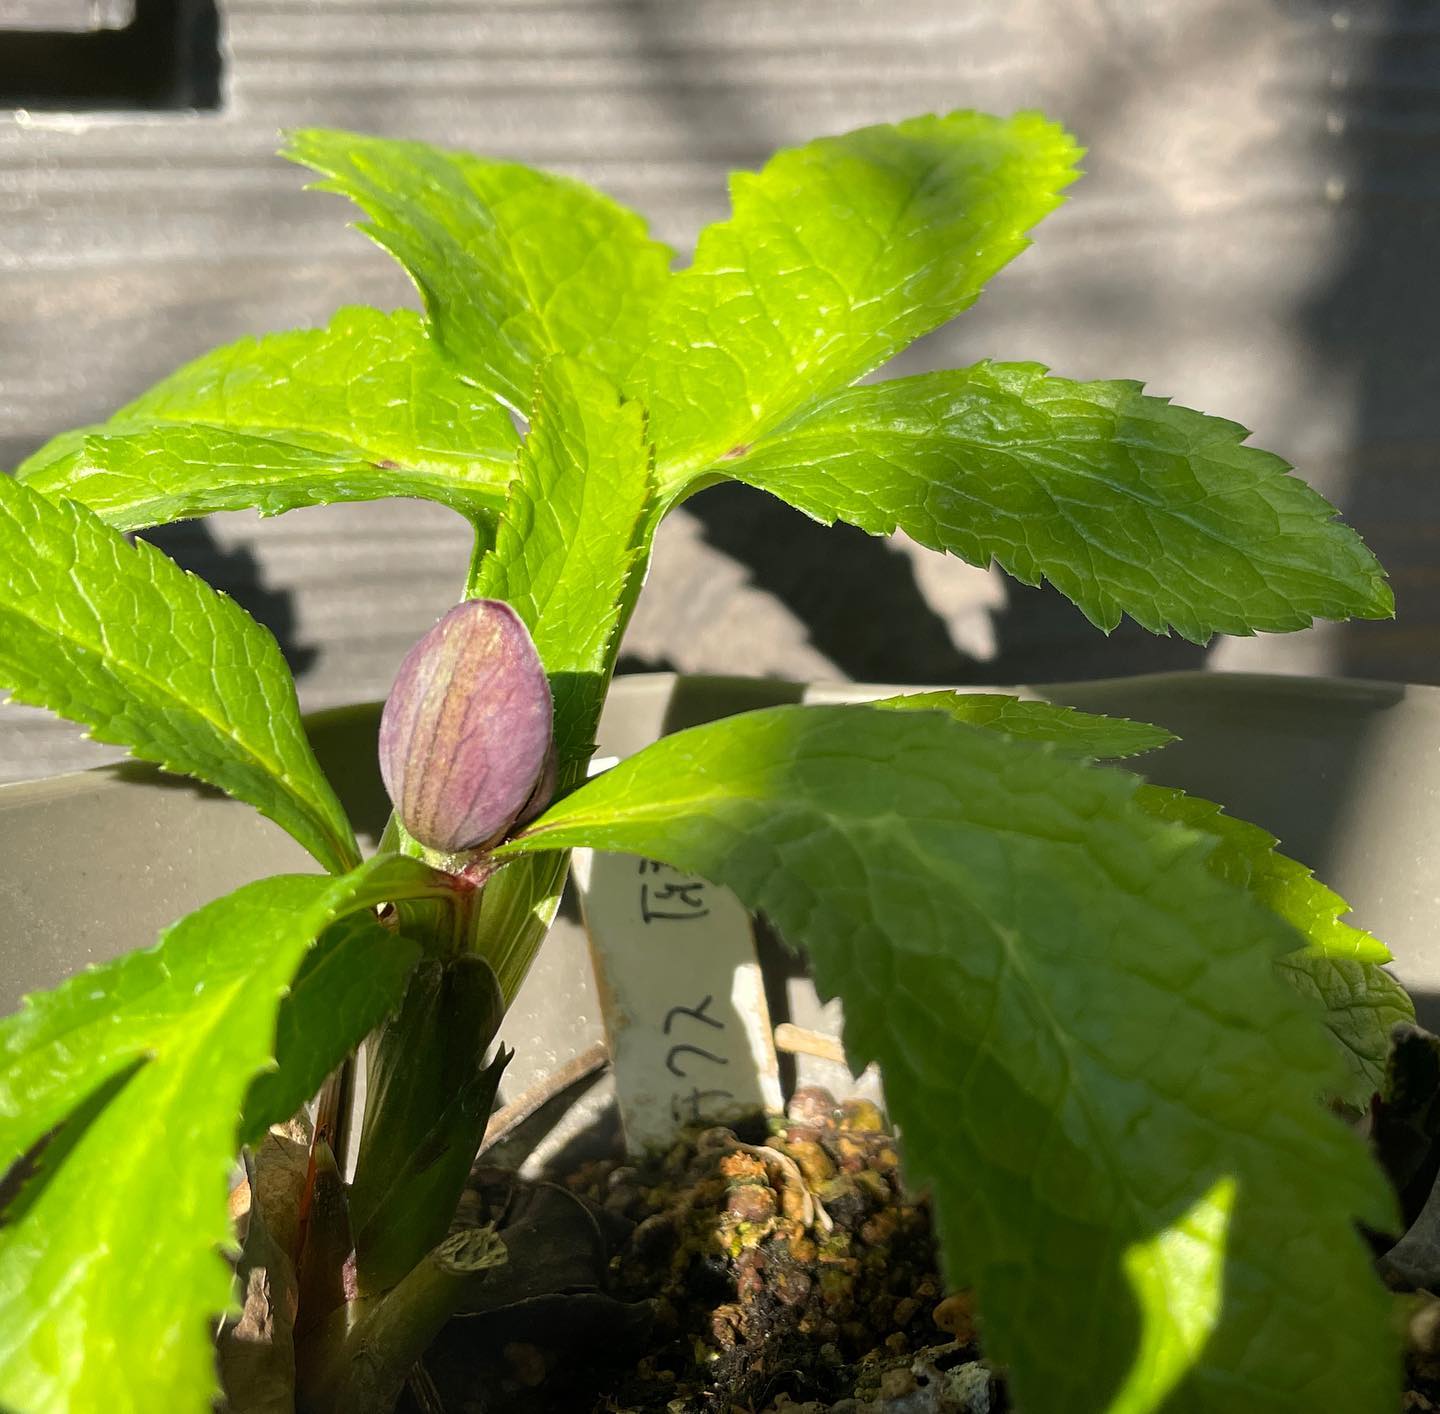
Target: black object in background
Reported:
point(167, 57)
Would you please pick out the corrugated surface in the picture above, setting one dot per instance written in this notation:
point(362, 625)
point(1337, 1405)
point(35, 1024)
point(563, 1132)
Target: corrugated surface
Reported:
point(1256, 237)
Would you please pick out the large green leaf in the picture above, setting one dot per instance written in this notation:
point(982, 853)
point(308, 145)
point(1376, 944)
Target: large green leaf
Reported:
point(513, 264)
point(119, 638)
point(1338, 966)
point(1246, 857)
point(1083, 734)
point(1109, 1093)
point(569, 539)
point(364, 409)
point(1126, 503)
point(110, 1266)
point(349, 982)
point(837, 256)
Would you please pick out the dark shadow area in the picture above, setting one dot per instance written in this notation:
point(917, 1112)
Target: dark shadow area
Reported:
point(344, 742)
point(192, 545)
point(856, 595)
point(168, 57)
point(14, 450)
point(142, 773)
point(1374, 319)
point(1427, 1009)
point(715, 117)
point(1040, 636)
point(629, 663)
point(859, 600)
point(697, 700)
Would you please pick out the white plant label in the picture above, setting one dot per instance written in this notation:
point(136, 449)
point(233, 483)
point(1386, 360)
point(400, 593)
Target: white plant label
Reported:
point(681, 994)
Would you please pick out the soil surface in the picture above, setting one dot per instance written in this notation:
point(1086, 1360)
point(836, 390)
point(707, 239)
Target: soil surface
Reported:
point(780, 1268)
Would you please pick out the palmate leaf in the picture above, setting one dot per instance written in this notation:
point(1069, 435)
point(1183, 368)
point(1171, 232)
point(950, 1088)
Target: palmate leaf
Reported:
point(569, 539)
point(363, 409)
point(1338, 966)
point(838, 255)
point(1128, 504)
point(1075, 733)
point(513, 264)
point(119, 638)
point(1098, 1075)
point(110, 1266)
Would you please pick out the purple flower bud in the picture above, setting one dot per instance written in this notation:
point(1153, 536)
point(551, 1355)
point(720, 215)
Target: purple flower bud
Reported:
point(544, 791)
point(466, 731)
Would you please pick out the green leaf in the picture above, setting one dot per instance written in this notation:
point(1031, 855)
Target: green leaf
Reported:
point(1361, 1002)
point(514, 265)
point(837, 256)
point(1083, 734)
point(1126, 503)
point(1083, 1040)
point(110, 1266)
point(571, 535)
point(520, 905)
point(119, 638)
point(1245, 856)
point(1337, 965)
point(428, 1096)
point(364, 409)
point(349, 982)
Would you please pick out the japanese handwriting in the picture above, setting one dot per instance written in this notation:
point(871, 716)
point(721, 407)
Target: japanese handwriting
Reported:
point(669, 896)
point(697, 1013)
point(675, 900)
point(673, 1066)
point(687, 1016)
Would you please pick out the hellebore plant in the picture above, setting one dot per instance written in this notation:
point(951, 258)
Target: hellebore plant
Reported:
point(1075, 983)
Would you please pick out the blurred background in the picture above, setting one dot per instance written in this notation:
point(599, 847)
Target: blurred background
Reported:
point(1255, 237)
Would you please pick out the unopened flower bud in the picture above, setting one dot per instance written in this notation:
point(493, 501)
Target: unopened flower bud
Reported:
point(544, 790)
point(465, 737)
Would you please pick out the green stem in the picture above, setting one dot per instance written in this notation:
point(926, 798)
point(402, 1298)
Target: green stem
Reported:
point(428, 1096)
point(516, 911)
point(359, 1362)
